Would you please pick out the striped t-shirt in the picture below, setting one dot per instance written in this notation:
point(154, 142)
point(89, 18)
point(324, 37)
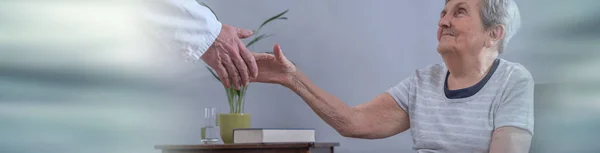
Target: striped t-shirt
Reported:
point(463, 120)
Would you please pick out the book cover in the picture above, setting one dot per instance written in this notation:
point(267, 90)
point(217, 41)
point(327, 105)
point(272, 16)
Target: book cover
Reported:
point(273, 135)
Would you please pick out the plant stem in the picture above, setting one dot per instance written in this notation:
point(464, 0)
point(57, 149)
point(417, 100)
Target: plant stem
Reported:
point(234, 96)
point(237, 104)
point(229, 99)
point(242, 95)
point(240, 100)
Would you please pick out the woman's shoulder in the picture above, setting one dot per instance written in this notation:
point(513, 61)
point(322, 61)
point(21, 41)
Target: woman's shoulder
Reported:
point(513, 71)
point(431, 73)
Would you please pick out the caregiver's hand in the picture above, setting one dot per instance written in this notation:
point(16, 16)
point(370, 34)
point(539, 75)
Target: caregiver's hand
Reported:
point(230, 58)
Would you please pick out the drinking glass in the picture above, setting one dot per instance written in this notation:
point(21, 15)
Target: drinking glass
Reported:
point(210, 133)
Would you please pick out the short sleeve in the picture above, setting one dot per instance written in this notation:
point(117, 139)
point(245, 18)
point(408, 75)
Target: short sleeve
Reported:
point(402, 92)
point(516, 107)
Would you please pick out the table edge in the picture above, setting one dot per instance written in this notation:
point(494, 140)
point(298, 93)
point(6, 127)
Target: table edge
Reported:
point(248, 145)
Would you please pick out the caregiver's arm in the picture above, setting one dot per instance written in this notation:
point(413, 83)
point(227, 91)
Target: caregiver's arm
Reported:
point(189, 27)
point(379, 118)
point(185, 25)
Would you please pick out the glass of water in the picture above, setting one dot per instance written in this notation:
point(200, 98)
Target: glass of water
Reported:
point(210, 133)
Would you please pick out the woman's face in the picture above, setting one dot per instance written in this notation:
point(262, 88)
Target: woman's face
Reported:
point(460, 29)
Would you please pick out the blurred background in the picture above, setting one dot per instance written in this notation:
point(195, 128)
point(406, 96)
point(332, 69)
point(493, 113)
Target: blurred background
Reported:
point(85, 77)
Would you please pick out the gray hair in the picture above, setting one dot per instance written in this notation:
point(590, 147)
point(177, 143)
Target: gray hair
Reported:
point(500, 12)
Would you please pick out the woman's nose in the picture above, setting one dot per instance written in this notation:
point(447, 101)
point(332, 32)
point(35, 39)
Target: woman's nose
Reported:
point(444, 22)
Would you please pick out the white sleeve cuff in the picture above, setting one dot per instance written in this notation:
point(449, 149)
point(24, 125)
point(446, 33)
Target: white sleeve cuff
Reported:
point(210, 32)
point(183, 26)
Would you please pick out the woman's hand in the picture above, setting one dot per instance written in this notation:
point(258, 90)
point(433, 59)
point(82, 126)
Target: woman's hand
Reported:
point(274, 68)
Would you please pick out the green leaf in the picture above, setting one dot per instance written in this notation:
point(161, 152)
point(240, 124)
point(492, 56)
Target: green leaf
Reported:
point(263, 36)
point(278, 16)
point(206, 5)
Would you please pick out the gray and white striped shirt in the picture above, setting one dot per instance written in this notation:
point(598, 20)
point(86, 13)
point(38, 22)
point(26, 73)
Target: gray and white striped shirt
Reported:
point(439, 123)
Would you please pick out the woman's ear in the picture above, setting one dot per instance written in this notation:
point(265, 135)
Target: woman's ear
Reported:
point(495, 34)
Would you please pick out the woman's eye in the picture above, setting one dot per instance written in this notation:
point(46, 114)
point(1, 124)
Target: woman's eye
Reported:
point(461, 11)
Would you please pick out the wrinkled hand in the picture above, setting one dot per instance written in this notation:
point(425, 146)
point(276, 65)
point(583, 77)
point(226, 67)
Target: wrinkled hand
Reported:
point(273, 68)
point(230, 58)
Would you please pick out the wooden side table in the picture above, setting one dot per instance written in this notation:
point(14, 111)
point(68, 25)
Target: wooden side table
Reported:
point(251, 148)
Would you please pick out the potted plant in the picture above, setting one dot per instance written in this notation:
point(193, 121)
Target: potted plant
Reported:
point(237, 118)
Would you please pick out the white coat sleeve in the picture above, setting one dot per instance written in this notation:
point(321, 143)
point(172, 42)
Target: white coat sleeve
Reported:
point(183, 25)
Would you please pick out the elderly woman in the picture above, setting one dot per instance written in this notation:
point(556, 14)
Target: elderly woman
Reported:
point(473, 102)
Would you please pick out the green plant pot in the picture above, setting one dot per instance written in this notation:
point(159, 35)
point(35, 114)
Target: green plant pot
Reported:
point(228, 122)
